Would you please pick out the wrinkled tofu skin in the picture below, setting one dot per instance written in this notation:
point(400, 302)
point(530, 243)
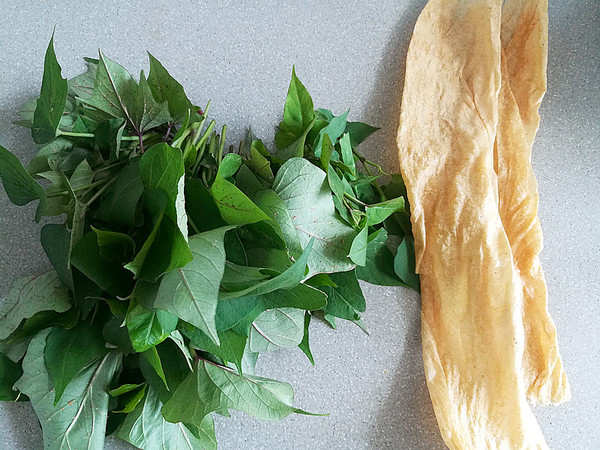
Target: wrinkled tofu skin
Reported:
point(472, 329)
point(525, 38)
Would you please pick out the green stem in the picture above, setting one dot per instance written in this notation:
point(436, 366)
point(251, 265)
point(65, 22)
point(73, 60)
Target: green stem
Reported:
point(100, 191)
point(92, 135)
point(110, 166)
point(71, 134)
point(221, 145)
point(193, 225)
point(354, 199)
point(80, 188)
point(206, 134)
point(365, 163)
point(199, 156)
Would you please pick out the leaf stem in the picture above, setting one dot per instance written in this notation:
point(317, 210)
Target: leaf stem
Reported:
point(71, 134)
point(168, 132)
point(221, 145)
point(354, 199)
point(110, 166)
point(100, 191)
point(92, 135)
point(365, 162)
point(192, 224)
point(199, 157)
point(80, 188)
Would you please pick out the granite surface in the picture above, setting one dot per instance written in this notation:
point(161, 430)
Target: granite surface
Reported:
point(349, 54)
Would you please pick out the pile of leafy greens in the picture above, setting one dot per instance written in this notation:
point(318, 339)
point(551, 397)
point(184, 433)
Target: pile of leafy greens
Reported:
point(177, 264)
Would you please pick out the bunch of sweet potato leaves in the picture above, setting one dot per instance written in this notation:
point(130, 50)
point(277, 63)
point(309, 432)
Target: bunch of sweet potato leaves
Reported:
point(178, 264)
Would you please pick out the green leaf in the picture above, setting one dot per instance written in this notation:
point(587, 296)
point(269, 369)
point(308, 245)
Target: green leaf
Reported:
point(175, 367)
point(114, 245)
point(166, 88)
point(334, 130)
point(235, 207)
point(298, 114)
point(51, 103)
point(79, 419)
point(237, 277)
point(115, 91)
point(379, 266)
point(358, 132)
point(191, 292)
point(146, 428)
point(161, 167)
point(148, 328)
point(378, 212)
point(203, 214)
point(304, 345)
point(124, 389)
point(303, 189)
point(404, 263)
point(30, 295)
point(277, 328)
point(43, 320)
point(85, 292)
point(58, 149)
point(177, 338)
point(10, 372)
point(77, 225)
point(330, 320)
point(82, 85)
point(230, 165)
point(239, 313)
point(153, 358)
point(81, 176)
point(321, 279)
point(274, 207)
point(216, 388)
point(322, 119)
point(87, 257)
point(121, 201)
point(20, 187)
point(148, 113)
point(338, 188)
point(231, 347)
point(259, 164)
point(248, 182)
point(166, 247)
point(347, 300)
point(133, 400)
point(347, 155)
point(116, 334)
point(108, 136)
point(326, 152)
point(15, 348)
point(288, 279)
point(55, 241)
point(296, 148)
point(68, 352)
point(358, 250)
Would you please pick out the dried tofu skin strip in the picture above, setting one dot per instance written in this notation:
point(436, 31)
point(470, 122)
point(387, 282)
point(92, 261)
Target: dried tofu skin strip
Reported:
point(524, 37)
point(472, 329)
point(525, 24)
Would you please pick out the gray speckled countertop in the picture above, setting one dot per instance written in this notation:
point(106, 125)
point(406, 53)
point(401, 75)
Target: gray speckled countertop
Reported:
point(349, 54)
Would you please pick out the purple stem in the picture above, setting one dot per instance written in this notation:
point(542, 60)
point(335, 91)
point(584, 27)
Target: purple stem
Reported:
point(168, 132)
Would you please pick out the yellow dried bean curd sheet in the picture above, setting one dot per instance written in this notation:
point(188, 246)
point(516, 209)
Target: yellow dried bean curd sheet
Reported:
point(472, 328)
point(525, 40)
